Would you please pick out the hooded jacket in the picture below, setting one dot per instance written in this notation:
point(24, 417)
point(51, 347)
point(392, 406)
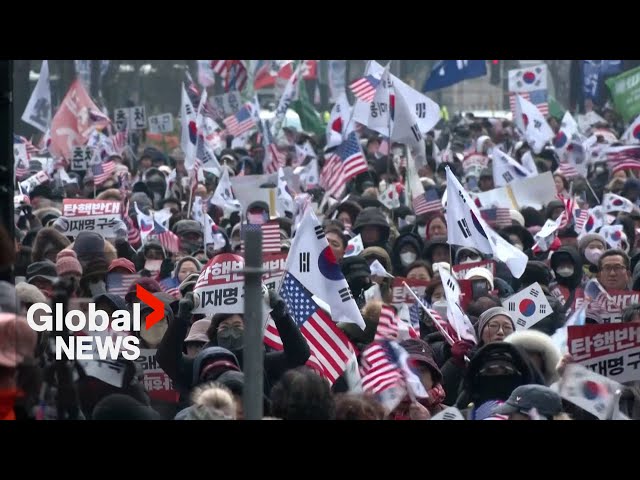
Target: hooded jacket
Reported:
point(408, 238)
point(48, 238)
point(538, 342)
point(374, 217)
point(574, 280)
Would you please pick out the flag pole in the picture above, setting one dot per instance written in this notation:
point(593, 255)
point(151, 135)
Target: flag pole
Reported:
point(592, 191)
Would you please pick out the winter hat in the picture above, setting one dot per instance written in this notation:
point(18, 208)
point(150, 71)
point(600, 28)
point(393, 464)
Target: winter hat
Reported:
point(29, 294)
point(536, 272)
point(421, 352)
point(45, 269)
point(17, 340)
point(46, 240)
point(516, 216)
point(198, 331)
point(480, 272)
point(96, 268)
point(147, 283)
point(123, 407)
point(142, 200)
point(122, 263)
point(355, 267)
point(378, 253)
point(88, 246)
point(587, 239)
point(488, 315)
point(67, 263)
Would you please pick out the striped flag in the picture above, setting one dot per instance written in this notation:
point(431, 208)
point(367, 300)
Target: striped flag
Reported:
point(365, 88)
point(330, 348)
point(31, 149)
point(497, 217)
point(429, 201)
point(345, 163)
point(567, 170)
point(270, 236)
point(240, 122)
point(171, 286)
point(237, 76)
point(169, 240)
point(628, 164)
point(119, 142)
point(538, 98)
point(391, 327)
point(119, 283)
point(275, 158)
point(102, 172)
point(379, 370)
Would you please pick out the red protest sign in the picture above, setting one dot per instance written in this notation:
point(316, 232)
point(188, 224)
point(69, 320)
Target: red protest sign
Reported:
point(462, 269)
point(609, 310)
point(400, 293)
point(220, 286)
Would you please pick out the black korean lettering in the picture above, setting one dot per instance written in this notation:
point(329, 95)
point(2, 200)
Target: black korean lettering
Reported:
point(230, 295)
point(217, 297)
point(374, 110)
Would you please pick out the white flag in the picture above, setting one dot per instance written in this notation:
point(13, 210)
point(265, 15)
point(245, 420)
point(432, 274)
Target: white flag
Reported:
point(615, 203)
point(590, 391)
point(290, 92)
point(38, 111)
point(614, 235)
point(506, 169)
point(544, 238)
point(532, 124)
point(189, 135)
point(163, 216)
point(632, 134)
point(380, 108)
point(223, 196)
point(284, 200)
point(145, 223)
point(309, 175)
point(64, 177)
point(378, 269)
point(337, 126)
point(405, 127)
point(467, 228)
point(312, 263)
point(528, 306)
point(456, 316)
point(390, 198)
point(354, 247)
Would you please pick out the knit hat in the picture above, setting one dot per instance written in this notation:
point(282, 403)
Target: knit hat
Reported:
point(587, 239)
point(517, 216)
point(67, 263)
point(355, 267)
point(29, 294)
point(198, 331)
point(480, 272)
point(122, 263)
point(421, 352)
point(96, 268)
point(45, 269)
point(379, 254)
point(487, 315)
point(17, 340)
point(123, 407)
point(88, 246)
point(147, 283)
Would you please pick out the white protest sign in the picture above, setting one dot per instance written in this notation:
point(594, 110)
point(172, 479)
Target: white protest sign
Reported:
point(33, 181)
point(101, 216)
point(533, 192)
point(81, 158)
point(161, 123)
point(121, 118)
point(20, 155)
point(528, 306)
point(109, 372)
point(137, 118)
point(220, 286)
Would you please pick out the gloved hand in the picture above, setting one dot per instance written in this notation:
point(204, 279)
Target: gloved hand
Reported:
point(166, 268)
point(277, 303)
point(185, 307)
point(459, 350)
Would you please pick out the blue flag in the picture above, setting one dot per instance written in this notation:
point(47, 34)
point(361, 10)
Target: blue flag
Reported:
point(449, 72)
point(594, 73)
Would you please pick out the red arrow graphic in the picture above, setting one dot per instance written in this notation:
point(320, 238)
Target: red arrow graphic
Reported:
point(157, 306)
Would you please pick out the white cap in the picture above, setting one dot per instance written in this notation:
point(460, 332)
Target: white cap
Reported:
point(517, 216)
point(480, 272)
point(437, 266)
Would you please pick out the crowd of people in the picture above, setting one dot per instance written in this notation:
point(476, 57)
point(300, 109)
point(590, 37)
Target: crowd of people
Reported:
point(506, 373)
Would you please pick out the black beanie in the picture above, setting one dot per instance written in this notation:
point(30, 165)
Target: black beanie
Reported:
point(123, 407)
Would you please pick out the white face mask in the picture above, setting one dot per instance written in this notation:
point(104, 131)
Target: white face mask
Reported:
point(408, 258)
point(470, 260)
point(565, 272)
point(593, 255)
point(422, 231)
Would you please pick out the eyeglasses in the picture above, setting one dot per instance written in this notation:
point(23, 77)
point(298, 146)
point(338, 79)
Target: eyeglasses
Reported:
point(613, 268)
point(496, 327)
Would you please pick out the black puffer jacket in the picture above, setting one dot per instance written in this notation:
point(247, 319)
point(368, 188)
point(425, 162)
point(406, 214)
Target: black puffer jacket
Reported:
point(408, 238)
point(373, 216)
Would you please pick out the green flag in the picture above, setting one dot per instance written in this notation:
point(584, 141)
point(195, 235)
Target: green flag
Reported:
point(625, 91)
point(555, 109)
point(309, 117)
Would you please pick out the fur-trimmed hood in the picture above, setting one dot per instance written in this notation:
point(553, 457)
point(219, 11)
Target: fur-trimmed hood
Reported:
point(535, 341)
point(46, 239)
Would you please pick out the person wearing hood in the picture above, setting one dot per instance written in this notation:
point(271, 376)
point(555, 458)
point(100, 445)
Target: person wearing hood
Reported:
point(149, 255)
point(422, 362)
point(227, 330)
point(47, 244)
point(436, 227)
point(591, 248)
point(190, 234)
point(555, 209)
point(519, 237)
point(357, 273)
point(566, 265)
point(371, 254)
point(347, 212)
point(90, 246)
point(467, 255)
point(540, 349)
point(494, 372)
point(406, 250)
point(183, 268)
point(374, 228)
point(437, 250)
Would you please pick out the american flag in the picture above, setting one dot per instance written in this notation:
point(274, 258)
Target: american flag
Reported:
point(389, 325)
point(538, 98)
point(345, 163)
point(568, 170)
point(171, 286)
point(119, 142)
point(330, 348)
point(31, 149)
point(240, 122)
point(270, 236)
point(169, 240)
point(497, 217)
point(276, 158)
point(365, 88)
point(429, 201)
point(380, 368)
point(102, 172)
point(625, 165)
point(233, 71)
point(119, 283)
point(22, 169)
point(580, 216)
point(443, 326)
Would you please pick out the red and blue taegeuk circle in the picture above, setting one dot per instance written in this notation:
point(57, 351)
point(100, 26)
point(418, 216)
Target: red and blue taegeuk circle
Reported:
point(592, 390)
point(328, 265)
point(525, 120)
point(560, 140)
point(477, 225)
point(527, 307)
point(529, 77)
point(193, 132)
point(636, 132)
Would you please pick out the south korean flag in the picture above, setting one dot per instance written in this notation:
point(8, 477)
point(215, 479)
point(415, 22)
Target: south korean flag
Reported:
point(528, 306)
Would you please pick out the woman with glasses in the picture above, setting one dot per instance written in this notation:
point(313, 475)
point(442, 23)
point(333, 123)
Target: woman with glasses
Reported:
point(494, 325)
